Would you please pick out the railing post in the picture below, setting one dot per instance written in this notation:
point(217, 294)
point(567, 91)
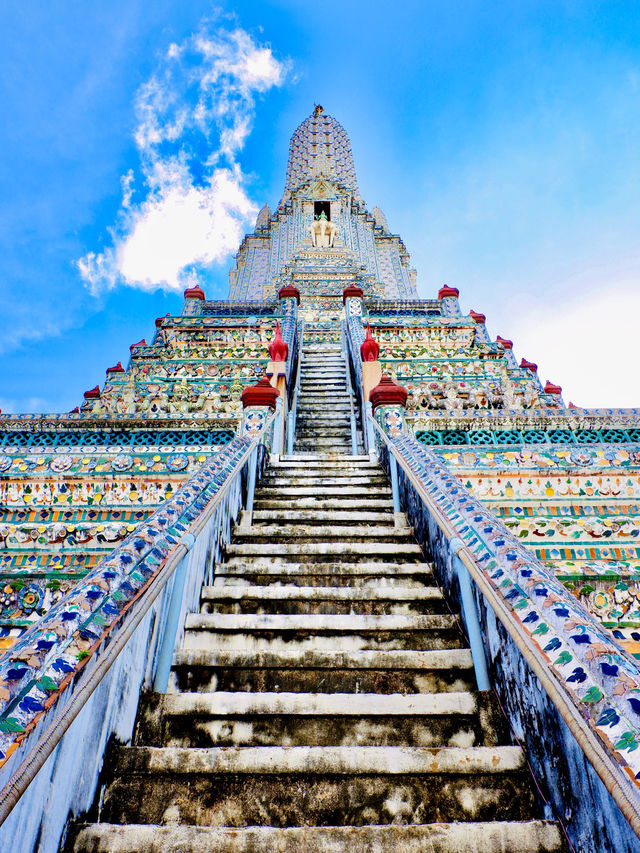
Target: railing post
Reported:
point(165, 653)
point(393, 467)
point(471, 619)
point(368, 419)
point(276, 440)
point(290, 429)
point(251, 487)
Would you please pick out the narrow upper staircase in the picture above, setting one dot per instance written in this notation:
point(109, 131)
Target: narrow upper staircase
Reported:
point(323, 422)
point(323, 698)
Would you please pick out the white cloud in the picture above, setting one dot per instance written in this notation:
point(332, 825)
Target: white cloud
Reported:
point(194, 116)
point(587, 344)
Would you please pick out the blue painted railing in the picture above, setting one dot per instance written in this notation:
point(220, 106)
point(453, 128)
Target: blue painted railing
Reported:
point(572, 695)
point(73, 680)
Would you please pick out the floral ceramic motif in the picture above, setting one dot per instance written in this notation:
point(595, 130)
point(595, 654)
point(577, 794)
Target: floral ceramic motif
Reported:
point(123, 462)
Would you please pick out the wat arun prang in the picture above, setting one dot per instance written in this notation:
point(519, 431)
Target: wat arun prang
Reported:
point(565, 480)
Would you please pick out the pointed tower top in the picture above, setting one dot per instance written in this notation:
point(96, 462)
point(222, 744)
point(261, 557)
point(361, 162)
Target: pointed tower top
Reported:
point(320, 138)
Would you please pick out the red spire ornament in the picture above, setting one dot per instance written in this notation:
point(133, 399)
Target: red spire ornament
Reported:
point(194, 293)
point(352, 291)
point(445, 291)
point(388, 393)
point(504, 342)
point(369, 348)
point(529, 365)
point(477, 317)
point(550, 388)
point(289, 291)
point(278, 349)
point(261, 394)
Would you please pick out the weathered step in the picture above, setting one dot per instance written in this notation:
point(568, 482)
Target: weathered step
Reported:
point(322, 632)
point(322, 492)
point(317, 622)
point(285, 478)
point(276, 786)
point(312, 462)
point(335, 572)
point(309, 433)
point(240, 718)
point(156, 728)
point(492, 837)
point(306, 551)
point(338, 504)
point(439, 671)
point(236, 704)
point(317, 599)
point(319, 535)
point(314, 516)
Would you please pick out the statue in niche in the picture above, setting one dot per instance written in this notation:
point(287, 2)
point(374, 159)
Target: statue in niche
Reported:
point(322, 231)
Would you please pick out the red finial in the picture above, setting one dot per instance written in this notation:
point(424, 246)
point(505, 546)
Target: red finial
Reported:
point(352, 292)
point(160, 320)
point(476, 317)
point(504, 342)
point(445, 291)
point(93, 394)
point(369, 348)
point(141, 343)
point(117, 369)
point(529, 365)
point(278, 349)
point(550, 388)
point(387, 393)
point(194, 293)
point(75, 411)
point(261, 394)
point(289, 291)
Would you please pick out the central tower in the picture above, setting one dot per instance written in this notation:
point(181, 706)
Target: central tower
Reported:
point(321, 186)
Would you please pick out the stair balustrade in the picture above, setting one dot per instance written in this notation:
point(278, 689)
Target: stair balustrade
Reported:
point(111, 636)
point(572, 695)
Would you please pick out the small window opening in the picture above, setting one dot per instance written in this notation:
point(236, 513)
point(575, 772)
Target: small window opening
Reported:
point(320, 207)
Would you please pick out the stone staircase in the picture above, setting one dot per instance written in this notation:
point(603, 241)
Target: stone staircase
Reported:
point(323, 699)
point(323, 419)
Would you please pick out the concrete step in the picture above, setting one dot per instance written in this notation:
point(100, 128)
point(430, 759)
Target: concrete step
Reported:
point(298, 785)
point(293, 599)
point(320, 490)
point(327, 593)
point(469, 837)
point(317, 623)
point(199, 670)
point(329, 444)
point(276, 632)
point(307, 551)
point(405, 672)
point(318, 534)
point(323, 504)
point(380, 572)
point(237, 704)
point(281, 478)
point(202, 730)
point(312, 461)
point(314, 516)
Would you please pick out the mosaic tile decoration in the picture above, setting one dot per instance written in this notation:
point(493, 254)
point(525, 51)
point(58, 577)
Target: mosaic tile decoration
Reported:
point(44, 661)
point(600, 677)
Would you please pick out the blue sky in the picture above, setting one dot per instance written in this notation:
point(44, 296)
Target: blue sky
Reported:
point(502, 141)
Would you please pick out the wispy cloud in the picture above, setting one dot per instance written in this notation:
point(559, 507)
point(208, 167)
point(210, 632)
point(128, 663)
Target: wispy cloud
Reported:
point(188, 206)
